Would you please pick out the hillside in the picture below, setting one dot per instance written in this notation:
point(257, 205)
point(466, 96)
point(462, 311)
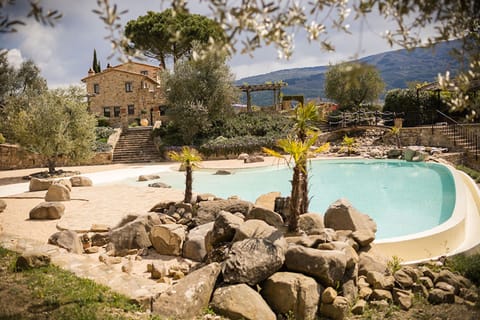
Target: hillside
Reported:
point(397, 69)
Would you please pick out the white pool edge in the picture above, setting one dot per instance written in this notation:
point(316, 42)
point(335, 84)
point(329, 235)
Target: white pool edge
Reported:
point(459, 234)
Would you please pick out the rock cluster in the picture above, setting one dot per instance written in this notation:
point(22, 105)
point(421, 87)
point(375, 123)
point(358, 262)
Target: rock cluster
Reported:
point(57, 192)
point(245, 265)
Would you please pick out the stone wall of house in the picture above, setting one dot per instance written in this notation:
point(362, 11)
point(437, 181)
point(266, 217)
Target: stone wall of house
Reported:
point(15, 157)
point(144, 93)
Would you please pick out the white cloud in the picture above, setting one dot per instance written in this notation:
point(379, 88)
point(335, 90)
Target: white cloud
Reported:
point(14, 57)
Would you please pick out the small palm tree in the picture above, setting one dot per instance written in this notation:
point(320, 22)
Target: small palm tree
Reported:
point(305, 118)
point(189, 159)
point(348, 144)
point(298, 152)
point(396, 133)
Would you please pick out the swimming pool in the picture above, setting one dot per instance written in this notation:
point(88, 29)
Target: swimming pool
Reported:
point(402, 197)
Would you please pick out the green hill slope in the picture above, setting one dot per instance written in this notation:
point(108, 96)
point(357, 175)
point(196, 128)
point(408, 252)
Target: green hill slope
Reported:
point(397, 69)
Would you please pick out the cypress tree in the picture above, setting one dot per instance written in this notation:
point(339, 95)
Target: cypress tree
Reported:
point(95, 63)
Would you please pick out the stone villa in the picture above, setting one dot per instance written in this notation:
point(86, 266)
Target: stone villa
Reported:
point(125, 93)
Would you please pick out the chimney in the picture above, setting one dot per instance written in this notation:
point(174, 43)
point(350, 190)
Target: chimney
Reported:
point(91, 72)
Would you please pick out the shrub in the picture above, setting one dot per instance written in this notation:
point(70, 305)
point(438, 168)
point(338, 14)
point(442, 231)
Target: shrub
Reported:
point(469, 266)
point(2, 139)
point(103, 132)
point(103, 122)
point(222, 146)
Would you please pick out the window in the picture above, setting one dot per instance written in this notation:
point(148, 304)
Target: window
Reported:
point(106, 112)
point(131, 109)
point(144, 72)
point(96, 88)
point(128, 87)
point(116, 111)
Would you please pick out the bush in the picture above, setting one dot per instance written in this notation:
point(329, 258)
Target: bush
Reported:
point(469, 266)
point(2, 139)
point(103, 132)
point(103, 122)
point(474, 174)
point(222, 146)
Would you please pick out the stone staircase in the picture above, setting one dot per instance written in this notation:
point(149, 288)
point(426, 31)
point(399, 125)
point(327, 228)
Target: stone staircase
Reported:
point(135, 145)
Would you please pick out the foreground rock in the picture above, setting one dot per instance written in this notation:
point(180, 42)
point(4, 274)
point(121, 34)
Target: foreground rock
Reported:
point(39, 184)
point(189, 296)
point(241, 302)
point(47, 210)
point(327, 266)
point(81, 181)
point(32, 259)
point(68, 240)
point(57, 192)
point(207, 211)
point(341, 215)
point(168, 239)
point(292, 292)
point(133, 234)
point(194, 247)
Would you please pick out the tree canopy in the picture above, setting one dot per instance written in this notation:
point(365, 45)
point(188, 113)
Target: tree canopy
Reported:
point(152, 34)
point(199, 94)
point(56, 124)
point(352, 85)
point(25, 79)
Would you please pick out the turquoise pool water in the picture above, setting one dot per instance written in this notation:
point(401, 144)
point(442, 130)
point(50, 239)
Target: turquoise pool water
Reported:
point(402, 197)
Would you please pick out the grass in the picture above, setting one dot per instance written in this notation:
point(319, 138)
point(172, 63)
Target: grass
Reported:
point(474, 174)
point(53, 293)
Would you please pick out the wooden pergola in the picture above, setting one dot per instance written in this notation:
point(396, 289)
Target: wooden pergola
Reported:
point(275, 87)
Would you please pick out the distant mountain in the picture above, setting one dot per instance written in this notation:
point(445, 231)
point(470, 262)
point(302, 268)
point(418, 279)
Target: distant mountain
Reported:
point(397, 69)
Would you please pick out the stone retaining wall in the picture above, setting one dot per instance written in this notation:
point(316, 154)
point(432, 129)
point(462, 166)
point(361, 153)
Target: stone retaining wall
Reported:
point(15, 157)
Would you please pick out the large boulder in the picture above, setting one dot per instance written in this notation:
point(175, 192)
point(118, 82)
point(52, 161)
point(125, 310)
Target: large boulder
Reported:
point(269, 216)
point(292, 292)
point(371, 260)
point(32, 259)
point(341, 215)
point(168, 239)
point(66, 182)
point(81, 181)
point(68, 240)
point(327, 266)
point(267, 200)
point(39, 184)
point(190, 296)
point(254, 229)
point(133, 234)
point(57, 192)
point(207, 211)
point(47, 210)
point(194, 247)
point(311, 223)
point(224, 228)
point(253, 260)
point(241, 302)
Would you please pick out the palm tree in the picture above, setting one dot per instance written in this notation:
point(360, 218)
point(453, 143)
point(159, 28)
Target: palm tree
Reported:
point(305, 117)
point(298, 152)
point(189, 159)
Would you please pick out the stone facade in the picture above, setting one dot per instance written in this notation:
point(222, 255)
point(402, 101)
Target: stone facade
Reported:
point(125, 93)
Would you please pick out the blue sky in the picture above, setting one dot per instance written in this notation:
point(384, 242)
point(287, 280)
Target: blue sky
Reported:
point(64, 53)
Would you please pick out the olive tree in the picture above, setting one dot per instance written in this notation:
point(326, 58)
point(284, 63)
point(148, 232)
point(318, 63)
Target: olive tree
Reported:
point(199, 94)
point(56, 124)
point(352, 85)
